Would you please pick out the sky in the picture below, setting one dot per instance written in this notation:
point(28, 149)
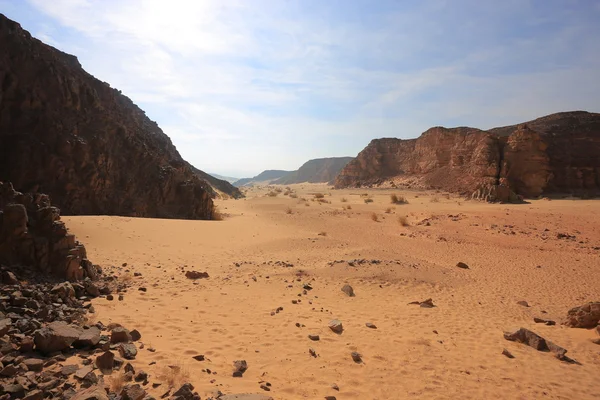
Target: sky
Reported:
point(242, 86)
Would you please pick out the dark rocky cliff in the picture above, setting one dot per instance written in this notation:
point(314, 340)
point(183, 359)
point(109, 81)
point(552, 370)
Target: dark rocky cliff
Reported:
point(559, 153)
point(67, 134)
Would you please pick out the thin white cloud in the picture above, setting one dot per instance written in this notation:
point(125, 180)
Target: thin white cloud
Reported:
point(269, 84)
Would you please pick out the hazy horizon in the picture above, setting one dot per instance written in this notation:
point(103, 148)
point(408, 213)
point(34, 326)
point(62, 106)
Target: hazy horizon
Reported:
point(241, 87)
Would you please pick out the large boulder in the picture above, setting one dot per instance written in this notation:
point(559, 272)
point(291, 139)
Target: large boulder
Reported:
point(585, 316)
point(56, 336)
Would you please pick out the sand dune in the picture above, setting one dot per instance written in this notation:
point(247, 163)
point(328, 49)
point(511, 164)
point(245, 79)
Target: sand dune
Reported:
point(260, 256)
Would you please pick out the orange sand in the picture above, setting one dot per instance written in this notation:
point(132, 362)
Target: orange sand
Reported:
point(228, 316)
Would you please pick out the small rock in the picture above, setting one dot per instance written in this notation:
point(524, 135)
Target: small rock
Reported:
point(199, 357)
point(356, 357)
point(312, 352)
point(239, 367)
point(34, 364)
point(56, 336)
point(335, 387)
point(348, 290)
point(196, 275)
point(462, 265)
point(336, 326)
point(507, 353)
point(128, 351)
point(370, 325)
point(135, 335)
point(120, 335)
point(523, 303)
point(544, 321)
point(106, 362)
point(132, 392)
point(314, 337)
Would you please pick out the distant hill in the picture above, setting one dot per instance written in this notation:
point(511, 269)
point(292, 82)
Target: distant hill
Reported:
point(224, 178)
point(217, 186)
point(316, 171)
point(264, 177)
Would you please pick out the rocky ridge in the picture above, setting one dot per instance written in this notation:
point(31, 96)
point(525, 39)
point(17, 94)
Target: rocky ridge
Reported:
point(315, 171)
point(553, 154)
point(65, 133)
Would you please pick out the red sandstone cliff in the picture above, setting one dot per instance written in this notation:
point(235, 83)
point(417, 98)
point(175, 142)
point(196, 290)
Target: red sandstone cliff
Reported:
point(559, 153)
point(67, 134)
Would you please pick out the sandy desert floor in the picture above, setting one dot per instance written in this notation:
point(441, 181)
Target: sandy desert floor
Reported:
point(265, 250)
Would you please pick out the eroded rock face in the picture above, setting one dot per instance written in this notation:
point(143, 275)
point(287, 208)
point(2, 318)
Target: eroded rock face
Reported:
point(67, 134)
point(553, 154)
point(458, 159)
point(32, 234)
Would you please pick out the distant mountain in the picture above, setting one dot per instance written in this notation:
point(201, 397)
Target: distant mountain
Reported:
point(216, 187)
point(224, 178)
point(316, 171)
point(264, 177)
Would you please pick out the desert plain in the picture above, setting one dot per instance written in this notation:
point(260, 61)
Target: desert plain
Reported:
point(276, 267)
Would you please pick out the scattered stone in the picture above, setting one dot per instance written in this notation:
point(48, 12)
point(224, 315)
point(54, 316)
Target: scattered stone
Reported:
point(135, 335)
point(462, 265)
point(523, 303)
point(68, 370)
point(128, 351)
point(330, 398)
point(534, 340)
point(34, 364)
point(428, 303)
point(56, 336)
point(336, 326)
point(34, 395)
point(196, 275)
point(91, 393)
point(335, 387)
point(106, 362)
point(185, 392)
point(120, 335)
point(544, 321)
point(312, 352)
point(199, 357)
point(348, 290)
point(265, 388)
point(370, 325)
point(132, 392)
point(356, 357)
point(8, 278)
point(314, 337)
point(88, 338)
point(141, 376)
point(245, 396)
point(239, 367)
point(5, 325)
point(507, 353)
point(586, 316)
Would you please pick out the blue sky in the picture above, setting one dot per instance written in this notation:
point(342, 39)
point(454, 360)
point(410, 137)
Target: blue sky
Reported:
point(246, 85)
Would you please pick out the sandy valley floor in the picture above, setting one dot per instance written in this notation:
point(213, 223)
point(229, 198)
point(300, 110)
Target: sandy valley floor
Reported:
point(260, 256)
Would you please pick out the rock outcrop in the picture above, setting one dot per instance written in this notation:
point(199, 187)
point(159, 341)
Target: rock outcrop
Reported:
point(67, 134)
point(266, 177)
point(559, 153)
point(316, 171)
point(217, 187)
point(32, 234)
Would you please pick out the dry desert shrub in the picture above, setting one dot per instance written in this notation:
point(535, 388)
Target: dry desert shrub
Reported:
point(344, 200)
point(322, 233)
point(174, 375)
point(272, 193)
point(288, 210)
point(368, 200)
point(402, 220)
point(388, 210)
point(117, 381)
point(364, 195)
point(374, 217)
point(398, 199)
point(278, 190)
point(319, 195)
point(307, 204)
point(348, 207)
point(324, 201)
point(435, 199)
point(293, 195)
